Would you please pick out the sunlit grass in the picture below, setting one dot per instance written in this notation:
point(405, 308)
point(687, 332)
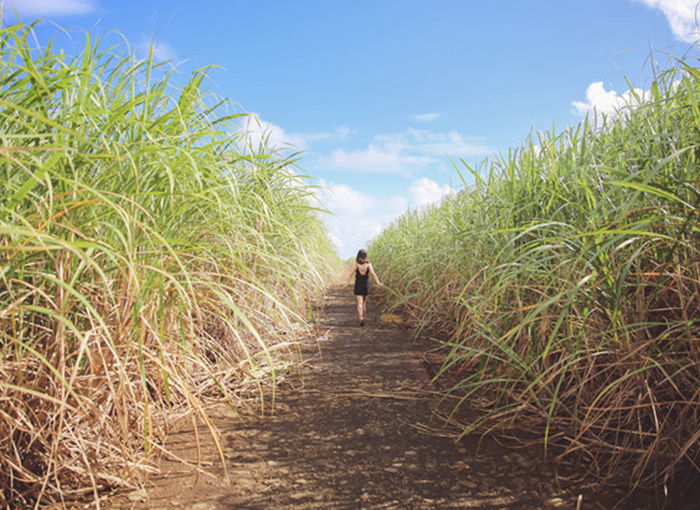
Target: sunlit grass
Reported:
point(566, 280)
point(150, 263)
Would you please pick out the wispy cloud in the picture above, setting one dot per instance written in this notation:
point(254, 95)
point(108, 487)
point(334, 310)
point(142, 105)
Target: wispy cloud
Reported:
point(426, 117)
point(161, 50)
point(601, 102)
point(50, 7)
point(405, 153)
point(375, 158)
point(451, 143)
point(257, 132)
point(682, 15)
point(358, 217)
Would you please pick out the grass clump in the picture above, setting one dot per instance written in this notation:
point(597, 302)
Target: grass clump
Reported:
point(150, 262)
point(567, 281)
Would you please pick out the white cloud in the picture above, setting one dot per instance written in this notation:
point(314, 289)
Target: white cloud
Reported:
point(405, 153)
point(347, 201)
point(682, 16)
point(609, 103)
point(425, 191)
point(50, 7)
point(356, 217)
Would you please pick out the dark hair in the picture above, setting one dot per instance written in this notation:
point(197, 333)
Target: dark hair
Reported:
point(361, 257)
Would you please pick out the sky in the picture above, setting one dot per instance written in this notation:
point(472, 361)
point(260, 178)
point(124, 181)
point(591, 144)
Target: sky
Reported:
point(381, 98)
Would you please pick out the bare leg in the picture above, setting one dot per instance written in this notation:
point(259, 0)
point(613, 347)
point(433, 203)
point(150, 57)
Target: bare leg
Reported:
point(360, 307)
point(364, 307)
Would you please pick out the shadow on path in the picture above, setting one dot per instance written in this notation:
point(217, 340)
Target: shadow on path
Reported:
point(353, 437)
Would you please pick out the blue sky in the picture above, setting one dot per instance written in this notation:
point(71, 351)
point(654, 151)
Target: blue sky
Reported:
point(380, 94)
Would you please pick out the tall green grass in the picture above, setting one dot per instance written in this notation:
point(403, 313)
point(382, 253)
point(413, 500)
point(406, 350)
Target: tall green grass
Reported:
point(566, 282)
point(150, 263)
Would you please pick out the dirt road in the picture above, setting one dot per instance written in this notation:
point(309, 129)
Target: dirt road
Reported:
point(352, 435)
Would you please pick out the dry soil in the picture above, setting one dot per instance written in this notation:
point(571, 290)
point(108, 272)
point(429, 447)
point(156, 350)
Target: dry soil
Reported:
point(356, 429)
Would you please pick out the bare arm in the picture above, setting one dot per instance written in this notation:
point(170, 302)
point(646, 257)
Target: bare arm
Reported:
point(376, 279)
point(350, 275)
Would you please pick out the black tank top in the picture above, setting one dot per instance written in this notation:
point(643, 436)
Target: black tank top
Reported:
point(361, 282)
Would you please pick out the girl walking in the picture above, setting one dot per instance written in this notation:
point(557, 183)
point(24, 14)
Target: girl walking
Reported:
point(362, 269)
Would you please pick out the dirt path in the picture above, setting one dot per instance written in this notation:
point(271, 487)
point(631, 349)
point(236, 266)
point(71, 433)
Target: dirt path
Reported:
point(353, 437)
